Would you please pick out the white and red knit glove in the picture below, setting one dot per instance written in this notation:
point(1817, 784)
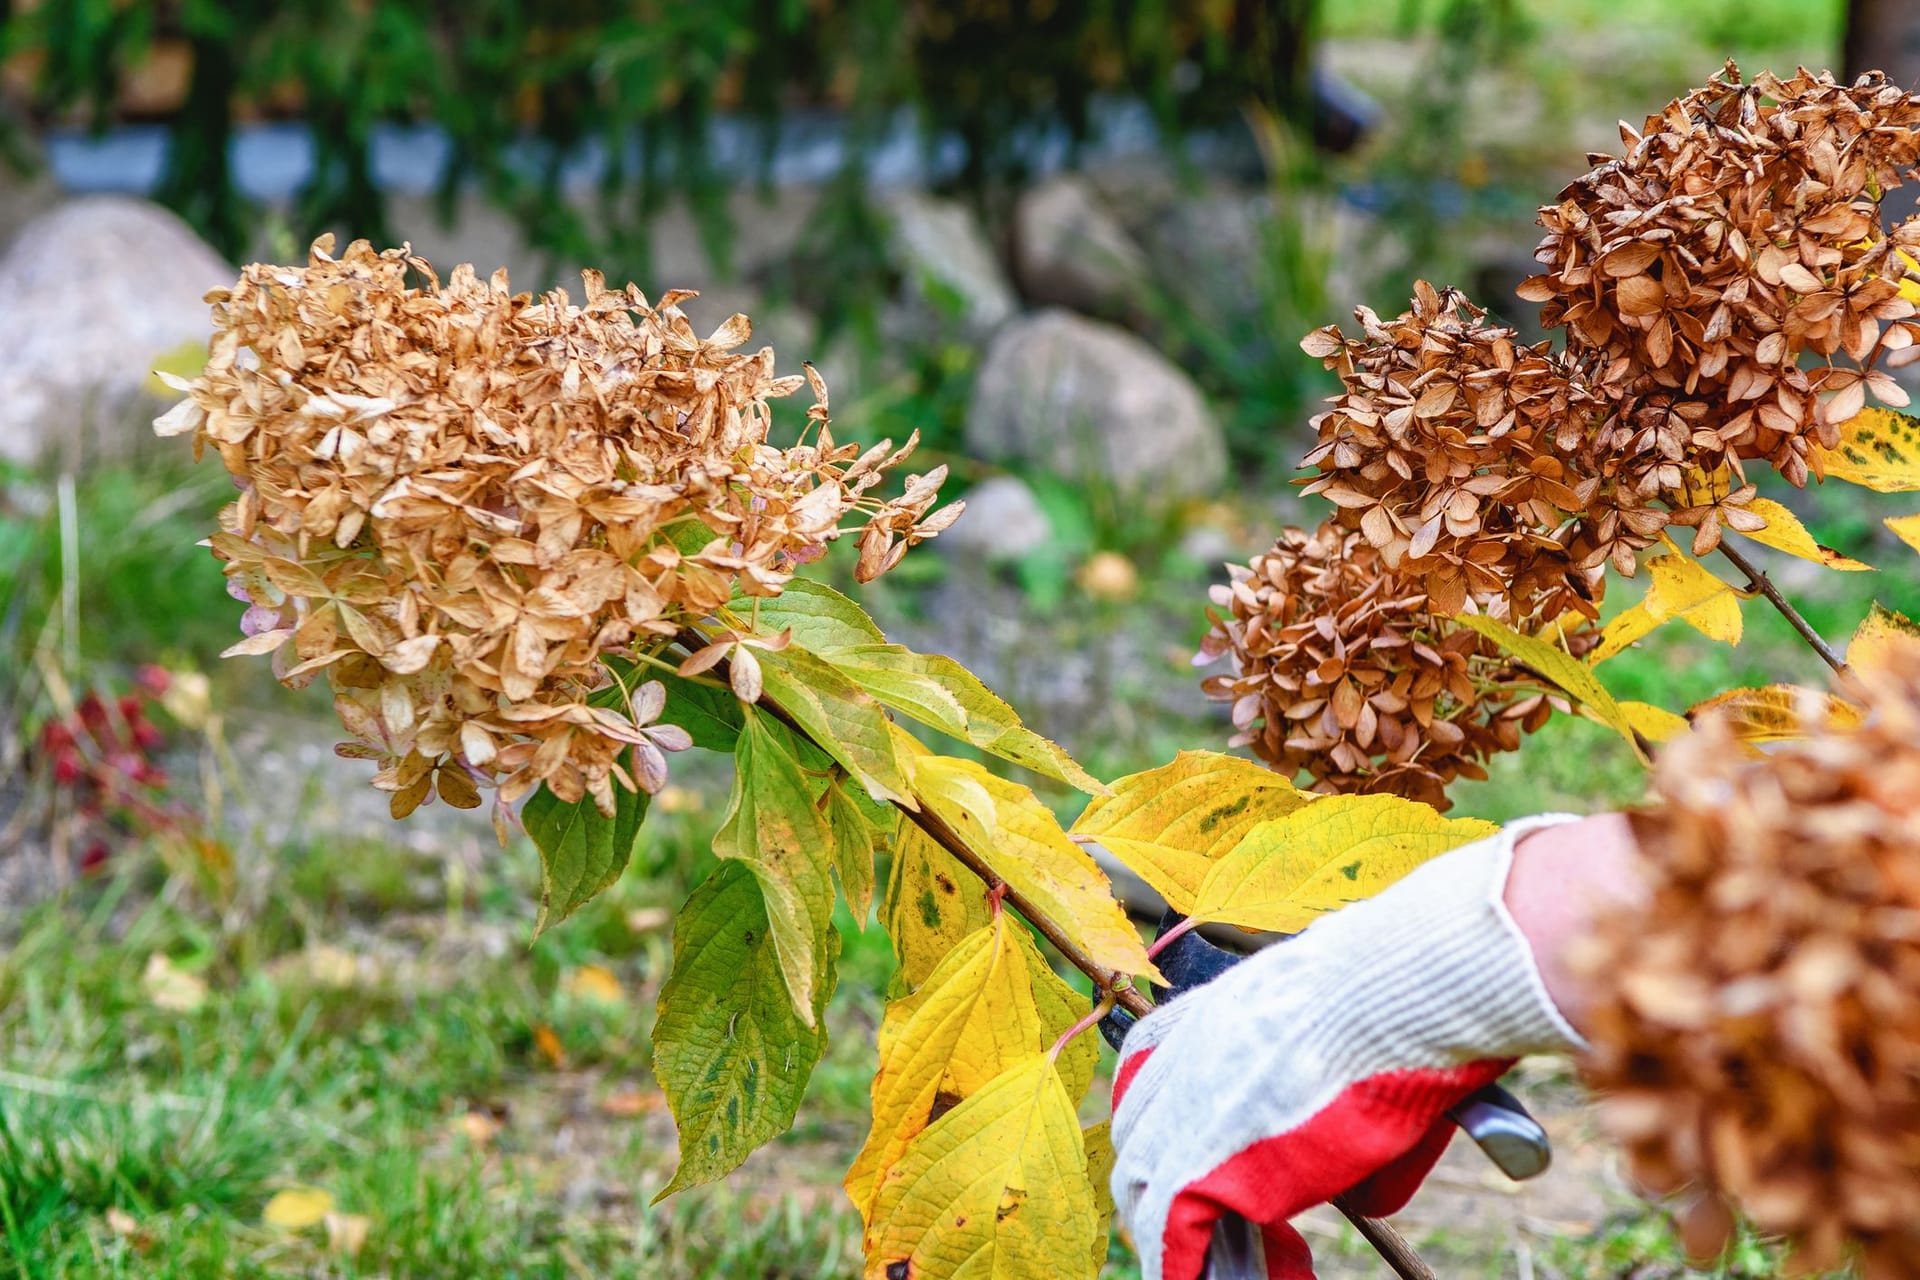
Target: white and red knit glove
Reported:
point(1326, 1065)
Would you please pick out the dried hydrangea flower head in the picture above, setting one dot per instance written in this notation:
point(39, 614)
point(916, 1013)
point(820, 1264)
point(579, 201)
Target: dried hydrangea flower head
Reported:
point(1725, 274)
point(1758, 1031)
point(1451, 448)
point(1344, 669)
point(454, 500)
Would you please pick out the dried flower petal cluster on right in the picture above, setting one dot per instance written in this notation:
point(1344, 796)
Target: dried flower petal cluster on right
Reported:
point(1342, 669)
point(1757, 1031)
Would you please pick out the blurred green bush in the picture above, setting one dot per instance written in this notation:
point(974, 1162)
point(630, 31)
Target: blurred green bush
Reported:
point(521, 86)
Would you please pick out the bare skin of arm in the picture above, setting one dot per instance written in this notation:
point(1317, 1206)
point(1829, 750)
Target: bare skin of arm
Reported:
point(1564, 877)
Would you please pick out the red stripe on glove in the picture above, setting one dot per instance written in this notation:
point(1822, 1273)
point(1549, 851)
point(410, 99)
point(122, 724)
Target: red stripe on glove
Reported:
point(1381, 1135)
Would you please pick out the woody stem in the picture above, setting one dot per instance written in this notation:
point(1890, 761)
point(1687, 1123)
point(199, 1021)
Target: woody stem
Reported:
point(1758, 581)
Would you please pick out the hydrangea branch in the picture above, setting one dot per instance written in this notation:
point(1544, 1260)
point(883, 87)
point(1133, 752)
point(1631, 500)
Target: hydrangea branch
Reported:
point(1760, 582)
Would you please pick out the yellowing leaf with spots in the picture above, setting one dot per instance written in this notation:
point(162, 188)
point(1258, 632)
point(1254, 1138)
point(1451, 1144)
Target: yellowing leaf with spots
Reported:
point(1009, 830)
point(995, 1189)
point(1681, 587)
point(1170, 824)
point(1784, 532)
point(979, 1013)
point(1775, 712)
point(1905, 528)
point(1324, 855)
point(1878, 448)
point(1557, 667)
point(297, 1208)
point(1883, 629)
point(773, 826)
point(730, 1052)
point(932, 903)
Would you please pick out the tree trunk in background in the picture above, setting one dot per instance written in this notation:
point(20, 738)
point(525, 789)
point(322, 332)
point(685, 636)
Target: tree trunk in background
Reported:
point(1884, 35)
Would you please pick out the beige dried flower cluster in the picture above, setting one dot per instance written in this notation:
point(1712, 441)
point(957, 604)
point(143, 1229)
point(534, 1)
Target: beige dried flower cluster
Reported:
point(1343, 668)
point(1731, 287)
point(1758, 1028)
point(454, 500)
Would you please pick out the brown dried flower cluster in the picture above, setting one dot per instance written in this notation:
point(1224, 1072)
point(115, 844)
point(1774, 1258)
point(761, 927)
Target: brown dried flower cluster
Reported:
point(1345, 669)
point(454, 500)
point(1758, 1031)
point(1452, 448)
point(1718, 280)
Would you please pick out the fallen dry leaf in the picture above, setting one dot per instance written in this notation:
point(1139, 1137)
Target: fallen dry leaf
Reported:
point(297, 1208)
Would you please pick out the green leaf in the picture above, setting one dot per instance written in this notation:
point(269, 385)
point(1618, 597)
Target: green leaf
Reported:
point(582, 851)
point(1324, 855)
point(710, 715)
point(729, 1051)
point(839, 716)
point(1170, 824)
point(932, 904)
point(773, 826)
point(942, 694)
point(854, 837)
point(1558, 667)
point(819, 617)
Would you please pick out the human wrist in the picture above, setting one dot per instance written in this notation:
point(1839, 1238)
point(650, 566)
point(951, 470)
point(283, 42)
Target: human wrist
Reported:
point(1435, 971)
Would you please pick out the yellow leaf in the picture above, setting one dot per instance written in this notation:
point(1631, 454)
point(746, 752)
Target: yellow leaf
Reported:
point(548, 1043)
point(1655, 724)
point(1100, 1160)
point(297, 1208)
point(1628, 628)
point(1008, 829)
point(932, 903)
point(593, 982)
point(995, 1189)
point(1883, 630)
point(1322, 856)
point(1681, 587)
point(1905, 528)
point(1558, 667)
point(974, 1016)
point(1169, 824)
point(1784, 532)
point(1878, 448)
point(1774, 713)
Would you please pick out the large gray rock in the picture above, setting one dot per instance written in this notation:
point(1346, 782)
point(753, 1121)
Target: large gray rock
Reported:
point(1069, 250)
point(90, 294)
point(1003, 522)
point(948, 264)
point(1093, 402)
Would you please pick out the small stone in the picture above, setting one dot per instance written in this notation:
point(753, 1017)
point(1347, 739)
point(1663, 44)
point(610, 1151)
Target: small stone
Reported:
point(1003, 522)
point(1070, 251)
point(948, 261)
point(96, 290)
point(1092, 402)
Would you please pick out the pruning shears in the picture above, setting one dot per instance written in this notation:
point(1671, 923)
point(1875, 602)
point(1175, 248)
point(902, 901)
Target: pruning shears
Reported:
point(1497, 1121)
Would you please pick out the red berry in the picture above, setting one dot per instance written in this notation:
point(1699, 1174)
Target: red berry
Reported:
point(93, 712)
point(94, 859)
point(130, 707)
point(145, 736)
point(153, 678)
point(67, 768)
point(55, 736)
